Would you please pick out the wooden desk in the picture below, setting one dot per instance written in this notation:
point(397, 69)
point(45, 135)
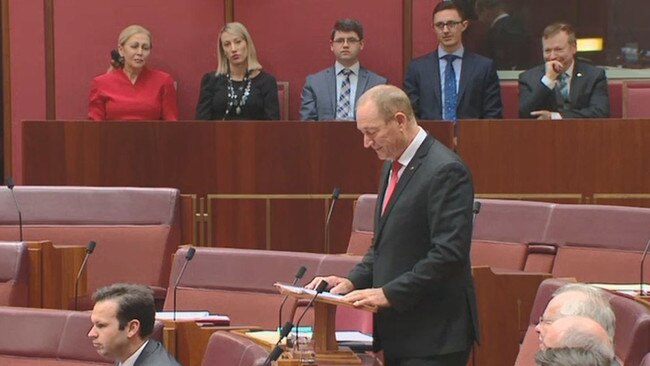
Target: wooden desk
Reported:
point(603, 161)
point(52, 274)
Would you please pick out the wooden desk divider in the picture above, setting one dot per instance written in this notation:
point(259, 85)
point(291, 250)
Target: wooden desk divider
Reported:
point(187, 341)
point(504, 300)
point(52, 274)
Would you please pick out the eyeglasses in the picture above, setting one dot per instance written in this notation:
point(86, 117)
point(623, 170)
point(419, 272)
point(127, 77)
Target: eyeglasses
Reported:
point(350, 41)
point(452, 24)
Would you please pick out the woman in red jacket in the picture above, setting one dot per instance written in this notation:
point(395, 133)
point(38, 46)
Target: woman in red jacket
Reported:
point(130, 90)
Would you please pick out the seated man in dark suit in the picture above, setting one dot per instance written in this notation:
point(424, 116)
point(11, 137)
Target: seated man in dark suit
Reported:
point(562, 87)
point(451, 83)
point(123, 319)
point(331, 94)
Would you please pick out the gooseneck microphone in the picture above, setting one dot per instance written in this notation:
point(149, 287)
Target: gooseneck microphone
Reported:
point(645, 253)
point(90, 248)
point(475, 210)
point(328, 220)
point(277, 350)
point(11, 185)
point(322, 285)
point(297, 277)
point(286, 329)
point(188, 258)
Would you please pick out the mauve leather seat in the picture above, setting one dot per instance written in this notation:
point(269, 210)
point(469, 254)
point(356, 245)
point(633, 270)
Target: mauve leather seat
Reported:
point(14, 274)
point(128, 224)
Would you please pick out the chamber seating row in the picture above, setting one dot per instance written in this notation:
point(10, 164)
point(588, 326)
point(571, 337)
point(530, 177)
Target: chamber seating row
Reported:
point(137, 230)
point(626, 98)
point(593, 243)
point(49, 337)
point(239, 283)
point(631, 339)
point(14, 279)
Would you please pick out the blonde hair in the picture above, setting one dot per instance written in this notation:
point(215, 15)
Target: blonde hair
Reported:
point(129, 31)
point(238, 30)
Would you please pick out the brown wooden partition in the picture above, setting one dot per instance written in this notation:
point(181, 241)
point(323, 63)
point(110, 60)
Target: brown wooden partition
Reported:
point(603, 161)
point(264, 185)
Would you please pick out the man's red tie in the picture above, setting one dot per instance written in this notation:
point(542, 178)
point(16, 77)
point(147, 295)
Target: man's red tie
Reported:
point(391, 185)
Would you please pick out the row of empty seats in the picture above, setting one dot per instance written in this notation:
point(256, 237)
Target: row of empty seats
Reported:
point(593, 243)
point(137, 230)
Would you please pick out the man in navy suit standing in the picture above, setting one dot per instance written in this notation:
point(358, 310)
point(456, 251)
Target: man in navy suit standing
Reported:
point(417, 270)
point(331, 94)
point(562, 87)
point(452, 83)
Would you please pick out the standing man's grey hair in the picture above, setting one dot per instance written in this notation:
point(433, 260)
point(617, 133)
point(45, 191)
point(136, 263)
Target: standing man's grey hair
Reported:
point(134, 302)
point(570, 356)
point(595, 305)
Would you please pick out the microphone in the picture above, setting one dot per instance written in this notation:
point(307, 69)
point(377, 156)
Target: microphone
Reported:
point(90, 248)
point(286, 329)
point(328, 220)
point(322, 285)
point(475, 210)
point(297, 277)
point(277, 350)
point(645, 253)
point(188, 258)
point(11, 185)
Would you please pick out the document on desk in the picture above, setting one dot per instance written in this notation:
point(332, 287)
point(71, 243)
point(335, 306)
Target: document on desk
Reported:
point(302, 290)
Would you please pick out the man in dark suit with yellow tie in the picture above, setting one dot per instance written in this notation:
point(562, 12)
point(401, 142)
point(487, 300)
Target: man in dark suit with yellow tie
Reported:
point(417, 270)
point(562, 87)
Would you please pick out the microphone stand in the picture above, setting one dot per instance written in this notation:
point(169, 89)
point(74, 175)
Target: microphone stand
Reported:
point(90, 248)
point(328, 220)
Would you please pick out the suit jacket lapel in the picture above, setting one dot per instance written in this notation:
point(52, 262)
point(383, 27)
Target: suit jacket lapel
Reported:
point(577, 83)
point(362, 82)
point(409, 171)
point(465, 75)
point(331, 88)
point(435, 77)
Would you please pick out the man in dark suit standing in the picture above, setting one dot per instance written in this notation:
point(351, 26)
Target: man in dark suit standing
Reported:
point(123, 318)
point(562, 87)
point(331, 94)
point(417, 270)
point(507, 40)
point(452, 83)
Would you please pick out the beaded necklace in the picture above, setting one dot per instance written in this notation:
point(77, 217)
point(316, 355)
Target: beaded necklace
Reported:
point(237, 100)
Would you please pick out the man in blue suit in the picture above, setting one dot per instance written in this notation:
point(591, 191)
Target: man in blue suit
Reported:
point(331, 94)
point(452, 83)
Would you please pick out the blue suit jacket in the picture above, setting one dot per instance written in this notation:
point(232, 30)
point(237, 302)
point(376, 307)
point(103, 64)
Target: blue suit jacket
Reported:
point(588, 94)
point(479, 94)
point(318, 98)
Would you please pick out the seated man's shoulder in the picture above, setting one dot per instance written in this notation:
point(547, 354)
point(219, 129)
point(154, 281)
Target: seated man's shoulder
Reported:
point(321, 73)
